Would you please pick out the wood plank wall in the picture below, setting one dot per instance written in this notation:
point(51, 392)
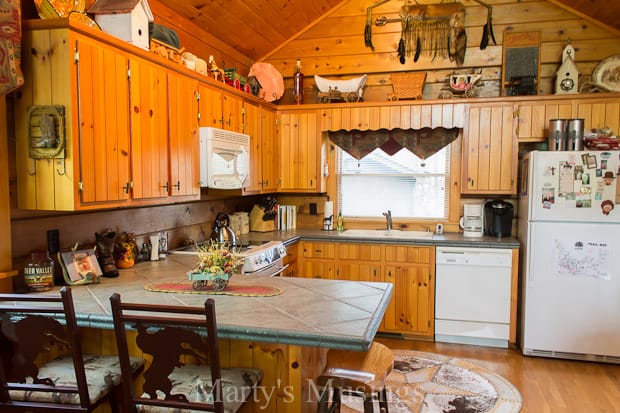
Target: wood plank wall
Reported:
point(334, 47)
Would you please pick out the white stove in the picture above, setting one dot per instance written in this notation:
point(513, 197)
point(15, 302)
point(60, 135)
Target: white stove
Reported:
point(262, 259)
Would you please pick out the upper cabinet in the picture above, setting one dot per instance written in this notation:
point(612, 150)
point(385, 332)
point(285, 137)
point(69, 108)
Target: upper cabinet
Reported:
point(300, 152)
point(183, 136)
point(489, 164)
point(98, 127)
point(219, 109)
point(260, 123)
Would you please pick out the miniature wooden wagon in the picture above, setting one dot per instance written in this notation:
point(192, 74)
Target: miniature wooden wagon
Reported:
point(349, 90)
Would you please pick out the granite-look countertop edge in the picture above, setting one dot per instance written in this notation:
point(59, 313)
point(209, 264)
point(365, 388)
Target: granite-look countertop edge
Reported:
point(449, 239)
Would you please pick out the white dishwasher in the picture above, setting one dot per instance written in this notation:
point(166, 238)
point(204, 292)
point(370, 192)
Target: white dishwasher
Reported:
point(472, 295)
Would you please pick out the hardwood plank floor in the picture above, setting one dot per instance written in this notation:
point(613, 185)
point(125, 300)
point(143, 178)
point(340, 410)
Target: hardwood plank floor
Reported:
point(546, 385)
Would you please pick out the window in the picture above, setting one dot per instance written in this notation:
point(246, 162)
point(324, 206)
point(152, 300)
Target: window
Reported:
point(403, 183)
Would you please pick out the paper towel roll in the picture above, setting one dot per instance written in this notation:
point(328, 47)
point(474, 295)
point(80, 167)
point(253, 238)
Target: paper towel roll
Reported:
point(329, 209)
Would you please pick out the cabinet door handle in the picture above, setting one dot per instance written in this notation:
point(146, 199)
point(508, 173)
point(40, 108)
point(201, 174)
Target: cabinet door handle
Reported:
point(127, 187)
point(177, 186)
point(165, 186)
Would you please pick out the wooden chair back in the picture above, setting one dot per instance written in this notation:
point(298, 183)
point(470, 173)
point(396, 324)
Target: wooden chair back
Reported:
point(29, 328)
point(168, 334)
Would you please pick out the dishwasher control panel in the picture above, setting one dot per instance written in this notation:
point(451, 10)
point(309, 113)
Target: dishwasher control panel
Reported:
point(493, 257)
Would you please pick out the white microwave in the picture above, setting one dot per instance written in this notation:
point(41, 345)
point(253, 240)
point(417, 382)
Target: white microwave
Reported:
point(224, 159)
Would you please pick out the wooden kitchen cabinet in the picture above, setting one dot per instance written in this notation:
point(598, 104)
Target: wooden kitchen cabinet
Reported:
point(183, 136)
point(300, 152)
point(260, 125)
point(148, 94)
point(532, 118)
point(490, 151)
point(120, 148)
point(89, 83)
point(412, 271)
point(253, 128)
point(219, 109)
point(318, 260)
point(598, 113)
point(292, 253)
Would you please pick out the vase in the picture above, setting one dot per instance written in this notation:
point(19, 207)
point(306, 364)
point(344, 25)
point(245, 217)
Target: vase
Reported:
point(209, 281)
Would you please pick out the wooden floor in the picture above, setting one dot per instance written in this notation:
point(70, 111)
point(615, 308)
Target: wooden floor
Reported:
point(547, 385)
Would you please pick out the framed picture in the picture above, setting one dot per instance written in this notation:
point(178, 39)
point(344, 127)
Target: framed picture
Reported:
point(589, 161)
point(80, 266)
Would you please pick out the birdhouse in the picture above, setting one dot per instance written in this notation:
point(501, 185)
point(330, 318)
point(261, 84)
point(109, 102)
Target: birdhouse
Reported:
point(567, 76)
point(126, 19)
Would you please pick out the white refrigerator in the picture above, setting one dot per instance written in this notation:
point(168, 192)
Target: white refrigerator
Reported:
point(569, 229)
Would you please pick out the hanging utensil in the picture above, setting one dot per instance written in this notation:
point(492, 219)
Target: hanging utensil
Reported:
point(487, 29)
point(368, 26)
point(402, 46)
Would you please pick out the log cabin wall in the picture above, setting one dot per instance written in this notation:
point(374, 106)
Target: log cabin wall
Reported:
point(334, 47)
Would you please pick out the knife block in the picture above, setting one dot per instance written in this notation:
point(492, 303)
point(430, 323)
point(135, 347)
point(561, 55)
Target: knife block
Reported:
point(256, 220)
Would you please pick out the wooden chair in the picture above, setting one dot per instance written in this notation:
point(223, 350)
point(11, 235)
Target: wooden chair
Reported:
point(173, 336)
point(356, 373)
point(70, 381)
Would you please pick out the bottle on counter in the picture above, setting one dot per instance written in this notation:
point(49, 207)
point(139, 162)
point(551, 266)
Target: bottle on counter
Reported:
point(340, 222)
point(298, 84)
point(39, 272)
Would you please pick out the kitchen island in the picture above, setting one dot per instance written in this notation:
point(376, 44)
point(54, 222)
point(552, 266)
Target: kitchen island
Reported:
point(286, 335)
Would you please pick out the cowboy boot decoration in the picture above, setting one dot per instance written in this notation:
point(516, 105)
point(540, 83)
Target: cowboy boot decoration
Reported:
point(105, 252)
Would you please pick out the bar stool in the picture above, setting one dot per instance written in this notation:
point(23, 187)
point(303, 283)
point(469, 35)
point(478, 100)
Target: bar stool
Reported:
point(356, 373)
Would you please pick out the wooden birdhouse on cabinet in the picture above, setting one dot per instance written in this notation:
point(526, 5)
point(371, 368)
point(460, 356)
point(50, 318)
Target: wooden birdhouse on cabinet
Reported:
point(567, 76)
point(126, 19)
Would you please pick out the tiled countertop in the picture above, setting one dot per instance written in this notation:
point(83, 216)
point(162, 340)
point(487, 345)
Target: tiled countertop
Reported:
point(309, 312)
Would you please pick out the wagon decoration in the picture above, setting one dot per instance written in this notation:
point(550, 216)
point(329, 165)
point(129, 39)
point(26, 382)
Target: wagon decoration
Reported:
point(460, 85)
point(349, 90)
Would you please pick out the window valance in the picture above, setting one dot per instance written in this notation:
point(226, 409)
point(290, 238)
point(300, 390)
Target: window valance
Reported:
point(422, 142)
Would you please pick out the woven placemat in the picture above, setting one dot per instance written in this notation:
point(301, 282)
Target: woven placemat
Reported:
point(241, 290)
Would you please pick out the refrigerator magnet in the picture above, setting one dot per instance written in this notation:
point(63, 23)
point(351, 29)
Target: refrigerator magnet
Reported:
point(589, 160)
point(608, 178)
point(548, 197)
point(607, 206)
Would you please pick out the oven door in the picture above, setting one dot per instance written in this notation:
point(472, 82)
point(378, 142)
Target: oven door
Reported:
point(274, 269)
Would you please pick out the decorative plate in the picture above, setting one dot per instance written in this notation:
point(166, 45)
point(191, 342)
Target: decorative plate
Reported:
point(50, 9)
point(607, 73)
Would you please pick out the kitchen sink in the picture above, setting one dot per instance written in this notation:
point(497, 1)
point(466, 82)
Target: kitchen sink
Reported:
point(384, 233)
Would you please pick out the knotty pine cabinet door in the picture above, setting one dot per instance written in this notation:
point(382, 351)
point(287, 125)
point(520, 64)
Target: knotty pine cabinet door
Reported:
point(260, 124)
point(209, 107)
point(412, 271)
point(318, 260)
point(532, 118)
point(270, 163)
point(299, 144)
point(232, 113)
point(490, 149)
point(596, 114)
point(149, 129)
point(183, 136)
point(102, 87)
point(252, 127)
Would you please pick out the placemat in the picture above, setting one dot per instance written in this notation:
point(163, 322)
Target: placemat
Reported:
point(240, 290)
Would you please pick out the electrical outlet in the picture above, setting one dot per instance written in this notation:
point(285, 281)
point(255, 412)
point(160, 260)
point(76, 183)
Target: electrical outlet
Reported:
point(53, 241)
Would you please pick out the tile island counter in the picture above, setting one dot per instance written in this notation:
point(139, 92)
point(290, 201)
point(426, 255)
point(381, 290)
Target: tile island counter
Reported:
point(285, 335)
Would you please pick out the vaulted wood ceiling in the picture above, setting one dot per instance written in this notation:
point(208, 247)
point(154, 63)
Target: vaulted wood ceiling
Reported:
point(256, 28)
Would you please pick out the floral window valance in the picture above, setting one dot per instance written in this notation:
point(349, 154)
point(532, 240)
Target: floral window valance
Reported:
point(422, 142)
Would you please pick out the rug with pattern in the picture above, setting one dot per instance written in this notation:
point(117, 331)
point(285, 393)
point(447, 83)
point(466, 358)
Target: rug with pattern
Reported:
point(433, 383)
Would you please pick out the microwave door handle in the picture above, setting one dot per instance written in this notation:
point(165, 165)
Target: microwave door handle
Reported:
point(245, 154)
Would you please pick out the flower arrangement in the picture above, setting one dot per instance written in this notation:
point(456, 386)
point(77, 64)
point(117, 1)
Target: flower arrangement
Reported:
point(216, 263)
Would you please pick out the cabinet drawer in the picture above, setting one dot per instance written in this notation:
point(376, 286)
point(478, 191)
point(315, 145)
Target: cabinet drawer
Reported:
point(408, 254)
point(359, 252)
point(319, 250)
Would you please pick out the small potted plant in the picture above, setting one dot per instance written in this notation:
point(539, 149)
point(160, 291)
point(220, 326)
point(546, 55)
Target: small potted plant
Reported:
point(216, 264)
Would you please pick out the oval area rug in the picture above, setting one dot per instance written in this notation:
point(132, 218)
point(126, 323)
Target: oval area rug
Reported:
point(433, 383)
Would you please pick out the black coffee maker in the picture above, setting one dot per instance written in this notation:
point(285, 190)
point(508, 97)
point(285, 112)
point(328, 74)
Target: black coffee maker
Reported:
point(498, 218)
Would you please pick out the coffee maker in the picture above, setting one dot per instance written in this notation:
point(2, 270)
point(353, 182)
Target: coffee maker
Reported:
point(472, 220)
point(498, 216)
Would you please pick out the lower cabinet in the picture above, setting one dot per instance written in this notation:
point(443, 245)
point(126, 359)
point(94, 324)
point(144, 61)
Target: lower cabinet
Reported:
point(290, 260)
point(411, 269)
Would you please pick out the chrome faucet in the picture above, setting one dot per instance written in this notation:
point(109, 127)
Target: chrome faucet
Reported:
point(388, 218)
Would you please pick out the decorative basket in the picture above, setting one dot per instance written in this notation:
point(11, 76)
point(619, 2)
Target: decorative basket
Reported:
point(408, 85)
point(206, 281)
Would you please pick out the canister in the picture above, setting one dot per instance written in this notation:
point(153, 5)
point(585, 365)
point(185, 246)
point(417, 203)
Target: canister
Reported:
point(574, 135)
point(557, 134)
